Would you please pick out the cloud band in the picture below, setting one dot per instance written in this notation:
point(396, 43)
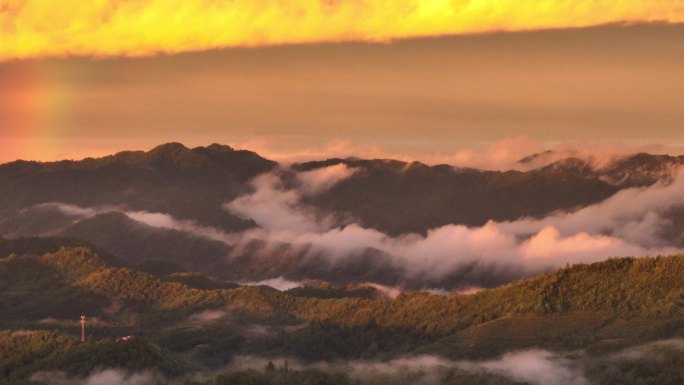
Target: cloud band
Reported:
point(39, 28)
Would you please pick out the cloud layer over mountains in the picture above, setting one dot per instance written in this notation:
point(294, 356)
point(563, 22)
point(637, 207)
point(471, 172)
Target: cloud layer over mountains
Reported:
point(534, 367)
point(630, 223)
point(233, 215)
point(627, 224)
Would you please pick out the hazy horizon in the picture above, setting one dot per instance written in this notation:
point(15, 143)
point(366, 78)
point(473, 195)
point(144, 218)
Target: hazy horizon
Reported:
point(427, 98)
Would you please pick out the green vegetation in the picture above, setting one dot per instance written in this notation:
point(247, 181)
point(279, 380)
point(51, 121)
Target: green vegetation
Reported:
point(615, 289)
point(40, 246)
point(659, 366)
point(184, 321)
point(25, 352)
point(283, 375)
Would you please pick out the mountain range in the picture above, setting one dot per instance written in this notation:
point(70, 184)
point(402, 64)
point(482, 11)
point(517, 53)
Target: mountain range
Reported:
point(212, 266)
point(173, 204)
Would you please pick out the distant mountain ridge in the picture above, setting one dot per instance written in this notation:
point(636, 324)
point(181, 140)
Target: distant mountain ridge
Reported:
point(391, 196)
point(171, 178)
point(398, 197)
point(629, 171)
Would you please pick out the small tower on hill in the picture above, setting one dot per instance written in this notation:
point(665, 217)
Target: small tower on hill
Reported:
point(83, 323)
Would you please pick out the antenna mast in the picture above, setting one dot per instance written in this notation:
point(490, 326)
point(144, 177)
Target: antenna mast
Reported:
point(83, 322)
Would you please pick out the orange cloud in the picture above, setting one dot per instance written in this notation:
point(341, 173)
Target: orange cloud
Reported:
point(38, 28)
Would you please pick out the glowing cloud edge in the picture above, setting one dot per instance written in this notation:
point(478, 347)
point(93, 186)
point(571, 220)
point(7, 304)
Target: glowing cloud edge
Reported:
point(46, 28)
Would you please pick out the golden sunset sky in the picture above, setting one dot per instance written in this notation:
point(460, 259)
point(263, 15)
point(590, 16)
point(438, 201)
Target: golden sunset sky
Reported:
point(406, 78)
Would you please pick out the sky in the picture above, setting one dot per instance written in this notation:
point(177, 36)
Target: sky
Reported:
point(291, 79)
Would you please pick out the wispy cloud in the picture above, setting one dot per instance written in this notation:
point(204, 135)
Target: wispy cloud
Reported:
point(104, 377)
point(534, 367)
point(615, 227)
point(278, 283)
point(537, 367)
point(152, 219)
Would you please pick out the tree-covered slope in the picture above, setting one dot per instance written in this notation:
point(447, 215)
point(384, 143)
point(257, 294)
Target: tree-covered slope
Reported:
point(197, 323)
point(618, 288)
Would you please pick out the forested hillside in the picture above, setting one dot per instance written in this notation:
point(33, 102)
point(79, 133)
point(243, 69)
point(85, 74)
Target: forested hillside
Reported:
point(601, 307)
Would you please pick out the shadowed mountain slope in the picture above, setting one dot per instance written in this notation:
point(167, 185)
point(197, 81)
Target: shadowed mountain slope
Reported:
point(136, 242)
point(187, 183)
point(398, 197)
